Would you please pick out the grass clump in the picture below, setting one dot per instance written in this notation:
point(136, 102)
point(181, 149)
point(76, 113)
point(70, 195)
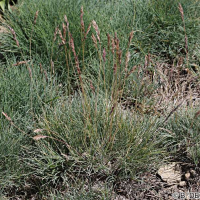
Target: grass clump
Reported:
point(24, 90)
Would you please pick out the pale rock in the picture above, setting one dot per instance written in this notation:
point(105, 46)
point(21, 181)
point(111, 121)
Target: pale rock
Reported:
point(170, 173)
point(182, 184)
point(187, 176)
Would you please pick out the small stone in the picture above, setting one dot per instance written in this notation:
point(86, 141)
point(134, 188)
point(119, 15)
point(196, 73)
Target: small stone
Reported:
point(170, 173)
point(187, 176)
point(193, 172)
point(120, 198)
point(182, 184)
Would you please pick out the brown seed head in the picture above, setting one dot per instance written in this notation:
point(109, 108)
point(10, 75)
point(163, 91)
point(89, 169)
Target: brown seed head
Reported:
point(96, 28)
point(14, 35)
point(66, 21)
point(94, 40)
point(36, 15)
point(82, 22)
point(181, 11)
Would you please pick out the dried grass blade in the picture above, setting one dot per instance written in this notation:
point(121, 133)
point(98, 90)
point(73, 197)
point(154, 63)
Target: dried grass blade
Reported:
point(21, 63)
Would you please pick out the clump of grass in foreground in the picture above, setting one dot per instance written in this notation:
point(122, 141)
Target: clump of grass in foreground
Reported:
point(71, 144)
point(87, 135)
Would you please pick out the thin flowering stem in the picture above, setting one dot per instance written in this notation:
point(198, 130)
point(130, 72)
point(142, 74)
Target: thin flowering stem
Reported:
point(55, 34)
point(88, 30)
point(86, 106)
point(117, 65)
point(34, 23)
point(54, 39)
point(186, 38)
point(64, 31)
point(67, 22)
point(78, 69)
point(118, 51)
point(75, 55)
point(30, 72)
point(83, 36)
point(115, 68)
point(71, 43)
point(128, 55)
point(108, 50)
point(92, 86)
point(131, 71)
point(108, 39)
point(52, 67)
point(12, 123)
point(104, 55)
point(113, 46)
point(127, 59)
point(130, 39)
point(96, 28)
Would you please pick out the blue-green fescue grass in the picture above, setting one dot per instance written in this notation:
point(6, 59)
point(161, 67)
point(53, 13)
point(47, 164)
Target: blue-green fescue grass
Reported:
point(22, 96)
point(85, 135)
point(91, 145)
point(62, 122)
